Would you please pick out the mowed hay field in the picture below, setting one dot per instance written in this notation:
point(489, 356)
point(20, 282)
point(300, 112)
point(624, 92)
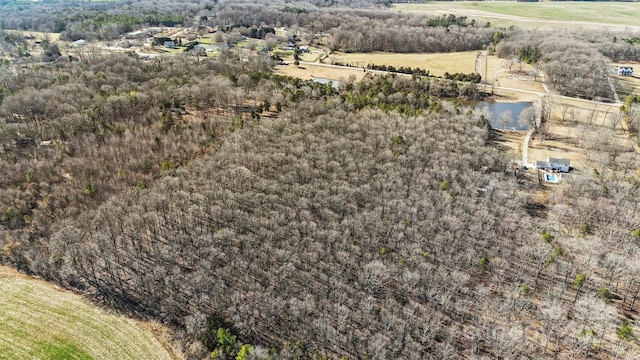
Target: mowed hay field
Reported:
point(310, 71)
point(436, 63)
point(535, 14)
point(41, 321)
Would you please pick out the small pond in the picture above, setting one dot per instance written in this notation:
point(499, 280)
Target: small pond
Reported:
point(334, 83)
point(496, 108)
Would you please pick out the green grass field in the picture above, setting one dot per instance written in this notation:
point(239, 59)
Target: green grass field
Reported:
point(39, 321)
point(205, 40)
point(505, 13)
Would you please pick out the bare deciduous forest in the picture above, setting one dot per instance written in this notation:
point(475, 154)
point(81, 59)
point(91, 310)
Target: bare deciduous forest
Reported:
point(573, 65)
point(373, 221)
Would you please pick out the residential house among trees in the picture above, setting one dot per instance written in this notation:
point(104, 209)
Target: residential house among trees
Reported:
point(625, 71)
point(554, 164)
point(78, 43)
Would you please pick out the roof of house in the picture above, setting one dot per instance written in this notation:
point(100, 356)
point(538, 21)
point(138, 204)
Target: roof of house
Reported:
point(137, 32)
point(559, 161)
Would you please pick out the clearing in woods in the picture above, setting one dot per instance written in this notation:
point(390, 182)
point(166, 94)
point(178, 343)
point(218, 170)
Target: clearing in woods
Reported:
point(436, 63)
point(41, 321)
point(310, 71)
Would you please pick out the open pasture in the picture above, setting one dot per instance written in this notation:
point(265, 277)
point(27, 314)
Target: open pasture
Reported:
point(41, 321)
point(308, 71)
point(436, 63)
point(612, 15)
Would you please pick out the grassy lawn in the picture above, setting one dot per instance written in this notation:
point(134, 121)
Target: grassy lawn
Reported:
point(437, 64)
point(214, 54)
point(626, 86)
point(41, 321)
point(310, 57)
point(506, 12)
point(205, 40)
point(172, 51)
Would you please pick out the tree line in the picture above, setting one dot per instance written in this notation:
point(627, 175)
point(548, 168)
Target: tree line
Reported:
point(90, 20)
point(361, 30)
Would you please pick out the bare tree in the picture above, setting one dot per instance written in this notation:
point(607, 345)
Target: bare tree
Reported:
point(505, 118)
point(528, 117)
point(508, 64)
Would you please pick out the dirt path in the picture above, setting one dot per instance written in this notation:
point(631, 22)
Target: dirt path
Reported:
point(525, 149)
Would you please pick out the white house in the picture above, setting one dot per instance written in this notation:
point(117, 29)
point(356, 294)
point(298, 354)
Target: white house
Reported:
point(78, 43)
point(554, 164)
point(542, 165)
point(625, 70)
point(140, 34)
point(559, 164)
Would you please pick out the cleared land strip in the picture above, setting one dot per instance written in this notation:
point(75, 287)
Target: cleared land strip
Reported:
point(525, 149)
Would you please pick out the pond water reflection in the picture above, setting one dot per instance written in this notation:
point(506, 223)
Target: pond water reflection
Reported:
point(496, 108)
